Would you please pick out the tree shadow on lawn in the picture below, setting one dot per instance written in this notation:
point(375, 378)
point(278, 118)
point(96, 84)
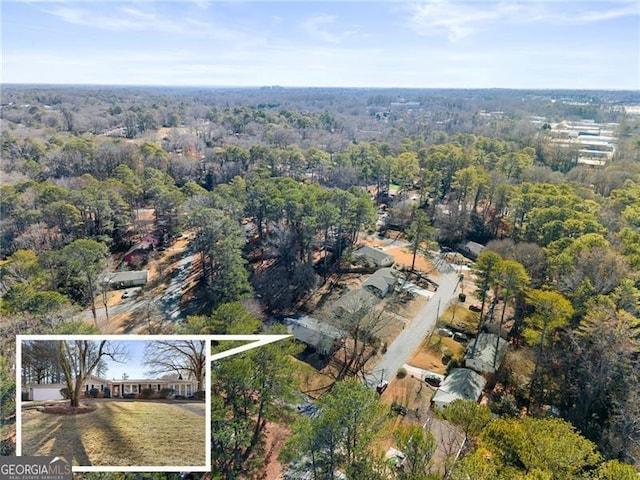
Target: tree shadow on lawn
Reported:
point(69, 443)
point(115, 434)
point(66, 441)
point(111, 444)
point(85, 439)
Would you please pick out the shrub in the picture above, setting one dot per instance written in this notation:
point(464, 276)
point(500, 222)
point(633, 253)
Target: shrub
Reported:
point(454, 363)
point(129, 395)
point(462, 297)
point(100, 395)
point(93, 393)
point(146, 393)
point(106, 392)
point(200, 395)
point(166, 392)
point(505, 406)
point(402, 372)
point(447, 355)
point(25, 396)
point(398, 409)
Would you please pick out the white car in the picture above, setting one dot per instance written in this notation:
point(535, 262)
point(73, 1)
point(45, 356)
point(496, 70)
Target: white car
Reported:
point(444, 332)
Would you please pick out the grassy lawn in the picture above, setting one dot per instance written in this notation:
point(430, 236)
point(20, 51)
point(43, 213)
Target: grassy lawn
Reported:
point(119, 433)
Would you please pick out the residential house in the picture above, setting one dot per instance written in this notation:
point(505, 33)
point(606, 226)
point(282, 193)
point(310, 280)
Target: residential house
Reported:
point(461, 383)
point(118, 280)
point(485, 353)
point(321, 336)
point(471, 250)
point(373, 257)
point(382, 281)
point(355, 302)
point(139, 253)
point(117, 388)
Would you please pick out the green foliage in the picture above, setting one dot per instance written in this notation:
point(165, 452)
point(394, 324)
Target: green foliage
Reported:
point(548, 446)
point(79, 327)
point(402, 372)
point(468, 415)
point(418, 446)
point(248, 390)
point(614, 470)
point(350, 418)
point(477, 465)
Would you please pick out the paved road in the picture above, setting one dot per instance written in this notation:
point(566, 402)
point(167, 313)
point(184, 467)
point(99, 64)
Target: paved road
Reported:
point(168, 303)
point(405, 344)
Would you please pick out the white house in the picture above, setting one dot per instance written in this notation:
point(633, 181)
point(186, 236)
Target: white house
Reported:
point(460, 384)
point(485, 353)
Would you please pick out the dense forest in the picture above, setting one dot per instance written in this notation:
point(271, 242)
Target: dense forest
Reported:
point(276, 186)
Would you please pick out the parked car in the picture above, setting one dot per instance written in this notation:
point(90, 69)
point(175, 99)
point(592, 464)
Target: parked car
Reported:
point(460, 337)
point(433, 379)
point(382, 386)
point(126, 294)
point(475, 308)
point(444, 332)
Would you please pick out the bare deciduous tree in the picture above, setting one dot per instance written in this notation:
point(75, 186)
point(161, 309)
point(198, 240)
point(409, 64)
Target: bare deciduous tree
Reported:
point(79, 358)
point(182, 357)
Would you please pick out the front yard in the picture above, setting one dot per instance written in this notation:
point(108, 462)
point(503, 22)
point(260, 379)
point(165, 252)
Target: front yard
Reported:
point(120, 433)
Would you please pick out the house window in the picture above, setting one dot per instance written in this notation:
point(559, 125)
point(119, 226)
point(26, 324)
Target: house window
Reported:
point(86, 387)
point(101, 388)
point(188, 390)
point(158, 387)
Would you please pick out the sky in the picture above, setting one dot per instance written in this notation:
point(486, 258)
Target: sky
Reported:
point(133, 366)
point(423, 44)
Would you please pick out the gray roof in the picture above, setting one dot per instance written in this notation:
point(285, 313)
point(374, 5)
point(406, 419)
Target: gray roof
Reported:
point(472, 249)
point(374, 255)
point(461, 383)
point(134, 275)
point(382, 280)
point(485, 348)
point(359, 300)
point(314, 332)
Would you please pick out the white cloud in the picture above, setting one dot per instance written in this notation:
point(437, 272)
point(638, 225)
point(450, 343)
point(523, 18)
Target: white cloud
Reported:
point(457, 20)
point(129, 18)
point(319, 28)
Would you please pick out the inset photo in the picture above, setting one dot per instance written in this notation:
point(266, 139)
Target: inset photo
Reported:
point(115, 401)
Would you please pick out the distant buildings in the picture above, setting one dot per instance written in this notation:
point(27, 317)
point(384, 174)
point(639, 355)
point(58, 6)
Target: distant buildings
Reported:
point(594, 143)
